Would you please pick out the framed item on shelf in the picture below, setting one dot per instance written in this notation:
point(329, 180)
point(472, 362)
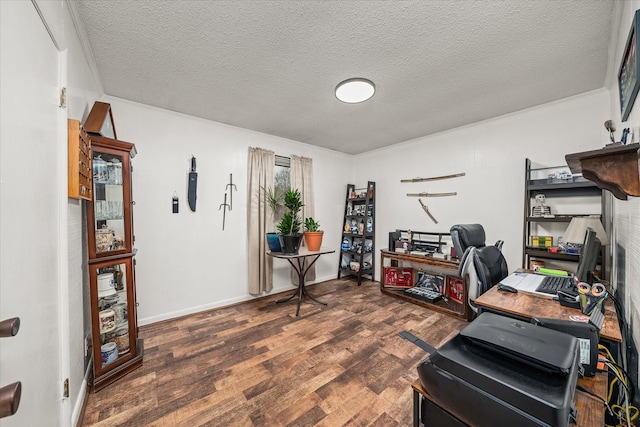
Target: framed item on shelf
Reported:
point(430, 281)
point(456, 289)
point(396, 277)
point(628, 83)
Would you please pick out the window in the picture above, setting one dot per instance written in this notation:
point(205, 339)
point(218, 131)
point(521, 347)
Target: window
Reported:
point(282, 178)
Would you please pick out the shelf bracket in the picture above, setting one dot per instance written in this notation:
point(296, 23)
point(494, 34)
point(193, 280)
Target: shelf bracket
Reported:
point(613, 168)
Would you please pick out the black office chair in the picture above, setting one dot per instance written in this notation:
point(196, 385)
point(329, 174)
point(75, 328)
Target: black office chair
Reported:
point(465, 235)
point(482, 266)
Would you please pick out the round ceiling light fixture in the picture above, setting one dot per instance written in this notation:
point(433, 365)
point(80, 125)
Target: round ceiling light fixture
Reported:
point(355, 90)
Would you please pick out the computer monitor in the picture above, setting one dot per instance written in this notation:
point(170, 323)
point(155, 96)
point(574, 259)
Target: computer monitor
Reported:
point(588, 257)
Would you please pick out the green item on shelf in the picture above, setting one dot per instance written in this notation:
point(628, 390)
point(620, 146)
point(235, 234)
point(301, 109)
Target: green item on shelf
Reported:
point(553, 272)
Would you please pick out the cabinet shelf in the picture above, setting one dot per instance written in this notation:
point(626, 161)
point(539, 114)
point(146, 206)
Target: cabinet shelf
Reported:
point(356, 235)
point(541, 253)
point(535, 186)
point(557, 218)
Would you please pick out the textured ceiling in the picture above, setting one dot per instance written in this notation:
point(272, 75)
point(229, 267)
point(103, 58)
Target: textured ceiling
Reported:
point(272, 66)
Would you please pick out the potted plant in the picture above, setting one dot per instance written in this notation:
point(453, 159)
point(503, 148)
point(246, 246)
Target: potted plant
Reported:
point(313, 234)
point(273, 197)
point(290, 223)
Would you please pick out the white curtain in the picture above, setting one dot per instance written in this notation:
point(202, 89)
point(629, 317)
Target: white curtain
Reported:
point(259, 220)
point(302, 179)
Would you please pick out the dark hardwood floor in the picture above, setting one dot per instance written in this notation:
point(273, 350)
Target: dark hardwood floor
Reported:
point(256, 364)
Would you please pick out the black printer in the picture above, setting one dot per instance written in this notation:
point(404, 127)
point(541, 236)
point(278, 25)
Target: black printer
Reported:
point(500, 371)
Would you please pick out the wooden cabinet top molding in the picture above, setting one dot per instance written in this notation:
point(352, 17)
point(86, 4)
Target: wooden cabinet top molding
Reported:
point(100, 120)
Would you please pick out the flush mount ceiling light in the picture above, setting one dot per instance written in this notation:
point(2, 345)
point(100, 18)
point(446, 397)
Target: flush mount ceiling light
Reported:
point(355, 90)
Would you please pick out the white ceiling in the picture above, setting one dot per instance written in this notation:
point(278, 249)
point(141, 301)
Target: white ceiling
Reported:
point(272, 66)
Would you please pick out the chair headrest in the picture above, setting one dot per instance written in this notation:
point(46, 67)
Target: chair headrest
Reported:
point(466, 235)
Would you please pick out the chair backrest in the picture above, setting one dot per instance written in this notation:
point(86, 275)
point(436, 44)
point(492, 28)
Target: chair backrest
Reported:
point(464, 236)
point(481, 266)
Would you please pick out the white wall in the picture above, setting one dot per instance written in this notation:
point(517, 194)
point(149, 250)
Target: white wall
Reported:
point(186, 262)
point(82, 90)
point(626, 214)
point(492, 154)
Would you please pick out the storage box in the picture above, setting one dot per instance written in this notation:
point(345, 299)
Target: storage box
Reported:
point(397, 277)
point(542, 241)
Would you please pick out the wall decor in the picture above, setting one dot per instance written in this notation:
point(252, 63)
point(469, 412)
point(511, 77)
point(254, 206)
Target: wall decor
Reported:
point(224, 206)
point(231, 186)
point(193, 185)
point(628, 83)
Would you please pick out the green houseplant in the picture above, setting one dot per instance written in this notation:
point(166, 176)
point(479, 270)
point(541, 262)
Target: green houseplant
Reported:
point(312, 235)
point(290, 224)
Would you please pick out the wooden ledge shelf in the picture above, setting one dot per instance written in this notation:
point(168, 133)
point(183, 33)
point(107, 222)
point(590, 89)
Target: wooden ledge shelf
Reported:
point(612, 168)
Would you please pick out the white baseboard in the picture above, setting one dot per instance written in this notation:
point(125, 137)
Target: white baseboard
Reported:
point(221, 303)
point(82, 395)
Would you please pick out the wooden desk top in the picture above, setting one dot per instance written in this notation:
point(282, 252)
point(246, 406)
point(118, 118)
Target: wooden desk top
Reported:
point(530, 305)
point(590, 409)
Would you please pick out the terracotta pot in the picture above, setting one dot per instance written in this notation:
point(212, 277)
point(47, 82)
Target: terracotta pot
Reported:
point(313, 240)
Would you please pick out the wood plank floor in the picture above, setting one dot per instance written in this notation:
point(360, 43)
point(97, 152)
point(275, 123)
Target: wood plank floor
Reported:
point(256, 364)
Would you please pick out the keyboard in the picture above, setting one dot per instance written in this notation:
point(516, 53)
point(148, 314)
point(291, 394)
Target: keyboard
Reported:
point(553, 284)
point(597, 317)
point(424, 294)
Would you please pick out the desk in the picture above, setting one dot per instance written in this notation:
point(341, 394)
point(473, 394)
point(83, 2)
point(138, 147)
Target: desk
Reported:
point(297, 261)
point(590, 409)
point(525, 306)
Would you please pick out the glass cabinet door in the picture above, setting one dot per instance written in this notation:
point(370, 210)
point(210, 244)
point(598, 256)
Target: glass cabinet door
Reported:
point(113, 313)
point(111, 209)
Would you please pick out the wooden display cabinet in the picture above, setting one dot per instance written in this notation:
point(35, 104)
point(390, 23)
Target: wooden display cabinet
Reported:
point(116, 347)
point(110, 214)
point(112, 263)
point(452, 287)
